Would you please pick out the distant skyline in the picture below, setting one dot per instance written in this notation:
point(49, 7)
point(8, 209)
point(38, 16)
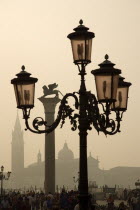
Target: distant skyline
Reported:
point(34, 33)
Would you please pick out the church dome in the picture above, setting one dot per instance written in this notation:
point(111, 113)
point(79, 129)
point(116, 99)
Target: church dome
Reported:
point(65, 153)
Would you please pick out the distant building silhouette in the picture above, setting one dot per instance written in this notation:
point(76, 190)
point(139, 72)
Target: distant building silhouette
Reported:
point(17, 152)
point(66, 168)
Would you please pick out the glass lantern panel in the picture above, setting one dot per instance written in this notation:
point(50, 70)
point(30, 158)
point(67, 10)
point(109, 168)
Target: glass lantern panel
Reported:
point(88, 49)
point(16, 94)
point(81, 49)
point(103, 87)
point(25, 94)
point(122, 95)
point(115, 86)
point(106, 86)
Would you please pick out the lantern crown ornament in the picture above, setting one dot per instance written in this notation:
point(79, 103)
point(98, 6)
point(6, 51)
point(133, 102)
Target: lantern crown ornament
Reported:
point(79, 28)
point(23, 76)
point(24, 86)
point(81, 42)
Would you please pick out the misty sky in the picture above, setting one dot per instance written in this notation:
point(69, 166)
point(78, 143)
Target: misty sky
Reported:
point(34, 33)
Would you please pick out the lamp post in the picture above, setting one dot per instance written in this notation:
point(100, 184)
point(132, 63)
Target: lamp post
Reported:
point(77, 180)
point(86, 103)
point(3, 177)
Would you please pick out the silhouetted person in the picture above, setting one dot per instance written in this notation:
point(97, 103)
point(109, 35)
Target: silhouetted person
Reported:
point(125, 194)
point(137, 206)
point(122, 206)
point(110, 202)
point(134, 201)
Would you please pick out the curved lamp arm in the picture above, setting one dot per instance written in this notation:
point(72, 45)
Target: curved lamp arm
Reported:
point(102, 122)
point(93, 111)
point(110, 126)
point(64, 112)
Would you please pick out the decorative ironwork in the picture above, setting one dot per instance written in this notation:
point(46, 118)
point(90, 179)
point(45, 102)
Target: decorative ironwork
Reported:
point(101, 121)
point(65, 111)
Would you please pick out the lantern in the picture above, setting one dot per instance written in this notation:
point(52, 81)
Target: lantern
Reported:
point(81, 42)
point(24, 87)
point(106, 79)
point(122, 95)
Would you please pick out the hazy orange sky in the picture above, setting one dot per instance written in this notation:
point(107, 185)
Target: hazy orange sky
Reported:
point(34, 33)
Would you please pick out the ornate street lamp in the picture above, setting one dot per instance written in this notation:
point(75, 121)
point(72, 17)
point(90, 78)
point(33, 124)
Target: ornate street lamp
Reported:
point(3, 177)
point(86, 103)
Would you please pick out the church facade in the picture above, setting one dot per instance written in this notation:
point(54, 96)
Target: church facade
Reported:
point(67, 167)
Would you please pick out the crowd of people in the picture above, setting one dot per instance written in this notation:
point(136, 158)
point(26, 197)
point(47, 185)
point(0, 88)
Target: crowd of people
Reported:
point(131, 202)
point(38, 201)
point(134, 200)
point(62, 201)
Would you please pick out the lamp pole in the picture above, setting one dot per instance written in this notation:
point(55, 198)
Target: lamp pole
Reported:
point(77, 180)
point(3, 177)
point(112, 96)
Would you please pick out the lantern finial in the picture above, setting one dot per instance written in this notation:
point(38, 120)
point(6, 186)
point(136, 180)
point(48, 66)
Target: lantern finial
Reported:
point(23, 68)
point(106, 57)
point(81, 22)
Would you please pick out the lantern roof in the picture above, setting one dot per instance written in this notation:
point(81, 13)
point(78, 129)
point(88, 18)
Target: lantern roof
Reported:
point(106, 62)
point(81, 27)
point(106, 68)
point(23, 77)
point(81, 30)
point(23, 72)
point(122, 83)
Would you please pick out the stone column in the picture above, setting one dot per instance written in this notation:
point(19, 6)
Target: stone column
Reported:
point(49, 108)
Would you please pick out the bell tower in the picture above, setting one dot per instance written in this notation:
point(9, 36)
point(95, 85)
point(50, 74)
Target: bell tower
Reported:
point(17, 149)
